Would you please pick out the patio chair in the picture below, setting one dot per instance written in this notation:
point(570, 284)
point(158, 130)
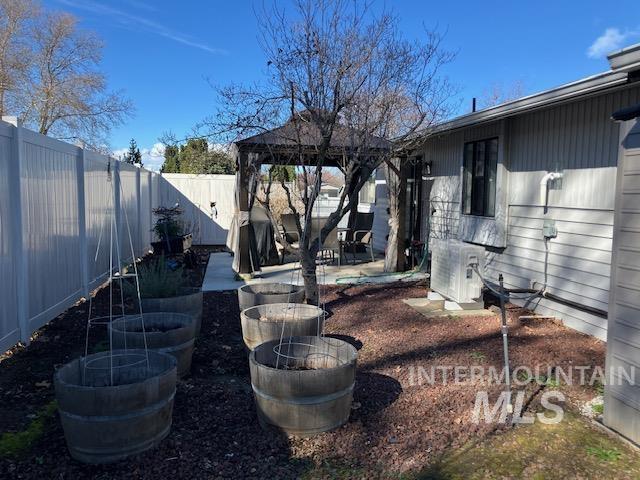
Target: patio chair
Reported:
point(289, 237)
point(360, 235)
point(289, 232)
point(289, 228)
point(331, 244)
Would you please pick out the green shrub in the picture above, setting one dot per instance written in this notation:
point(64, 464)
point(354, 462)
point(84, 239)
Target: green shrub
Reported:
point(168, 225)
point(157, 280)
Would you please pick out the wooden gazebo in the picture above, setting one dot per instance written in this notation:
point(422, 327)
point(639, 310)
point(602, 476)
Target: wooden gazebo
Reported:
point(297, 142)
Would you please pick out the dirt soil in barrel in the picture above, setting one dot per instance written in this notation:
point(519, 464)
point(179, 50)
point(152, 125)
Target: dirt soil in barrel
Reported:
point(401, 425)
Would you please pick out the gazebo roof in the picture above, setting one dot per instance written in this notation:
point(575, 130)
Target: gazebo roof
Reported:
point(300, 131)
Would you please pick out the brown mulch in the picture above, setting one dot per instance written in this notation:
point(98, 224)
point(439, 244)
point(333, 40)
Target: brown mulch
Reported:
point(395, 426)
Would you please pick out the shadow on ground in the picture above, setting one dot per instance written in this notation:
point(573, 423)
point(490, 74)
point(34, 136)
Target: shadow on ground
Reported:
point(357, 344)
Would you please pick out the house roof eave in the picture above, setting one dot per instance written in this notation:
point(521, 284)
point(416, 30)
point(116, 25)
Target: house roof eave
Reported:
point(563, 93)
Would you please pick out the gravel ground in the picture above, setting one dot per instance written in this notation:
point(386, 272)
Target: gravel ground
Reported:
point(396, 425)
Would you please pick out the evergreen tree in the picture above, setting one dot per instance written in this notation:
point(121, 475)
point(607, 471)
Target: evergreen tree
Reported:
point(195, 157)
point(133, 156)
point(220, 163)
point(171, 159)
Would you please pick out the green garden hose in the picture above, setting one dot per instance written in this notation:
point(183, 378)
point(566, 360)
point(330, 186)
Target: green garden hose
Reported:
point(400, 275)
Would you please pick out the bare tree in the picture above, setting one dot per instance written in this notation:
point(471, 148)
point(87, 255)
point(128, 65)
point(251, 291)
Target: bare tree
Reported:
point(345, 83)
point(498, 93)
point(68, 96)
point(50, 77)
point(16, 17)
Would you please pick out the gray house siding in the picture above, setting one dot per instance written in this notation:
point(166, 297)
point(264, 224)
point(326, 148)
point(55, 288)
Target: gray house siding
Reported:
point(623, 349)
point(577, 138)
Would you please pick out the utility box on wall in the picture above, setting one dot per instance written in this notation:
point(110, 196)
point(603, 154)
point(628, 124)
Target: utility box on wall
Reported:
point(451, 274)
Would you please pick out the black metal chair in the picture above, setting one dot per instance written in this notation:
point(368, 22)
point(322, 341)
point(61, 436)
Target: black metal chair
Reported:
point(289, 228)
point(331, 244)
point(360, 235)
point(289, 233)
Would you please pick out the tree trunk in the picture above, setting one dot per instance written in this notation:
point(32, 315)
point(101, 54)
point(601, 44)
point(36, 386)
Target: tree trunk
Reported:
point(394, 259)
point(308, 264)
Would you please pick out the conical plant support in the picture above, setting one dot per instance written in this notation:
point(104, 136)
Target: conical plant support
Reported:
point(119, 402)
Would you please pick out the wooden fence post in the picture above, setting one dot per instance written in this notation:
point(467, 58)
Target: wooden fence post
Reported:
point(17, 240)
point(82, 224)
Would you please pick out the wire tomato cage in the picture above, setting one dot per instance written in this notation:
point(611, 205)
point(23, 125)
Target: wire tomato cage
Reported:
point(319, 356)
point(114, 361)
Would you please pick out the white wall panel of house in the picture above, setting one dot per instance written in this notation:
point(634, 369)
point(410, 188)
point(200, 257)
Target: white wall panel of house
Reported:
point(9, 326)
point(579, 260)
point(579, 139)
point(445, 153)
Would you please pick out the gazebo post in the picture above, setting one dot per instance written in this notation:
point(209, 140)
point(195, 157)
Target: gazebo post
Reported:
point(244, 247)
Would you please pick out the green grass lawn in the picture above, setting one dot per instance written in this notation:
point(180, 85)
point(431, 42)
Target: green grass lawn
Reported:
point(570, 449)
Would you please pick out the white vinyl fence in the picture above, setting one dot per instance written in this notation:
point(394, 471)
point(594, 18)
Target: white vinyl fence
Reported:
point(195, 193)
point(55, 209)
point(55, 204)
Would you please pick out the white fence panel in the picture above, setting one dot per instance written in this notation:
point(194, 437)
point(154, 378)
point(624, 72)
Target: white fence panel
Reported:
point(145, 211)
point(51, 238)
point(9, 325)
point(195, 193)
point(98, 204)
point(129, 223)
point(55, 208)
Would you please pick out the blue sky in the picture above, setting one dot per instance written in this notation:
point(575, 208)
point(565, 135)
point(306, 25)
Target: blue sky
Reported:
point(164, 53)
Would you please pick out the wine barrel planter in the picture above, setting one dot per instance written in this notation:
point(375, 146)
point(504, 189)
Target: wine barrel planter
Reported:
point(266, 293)
point(188, 302)
point(105, 422)
point(269, 322)
point(311, 389)
point(172, 333)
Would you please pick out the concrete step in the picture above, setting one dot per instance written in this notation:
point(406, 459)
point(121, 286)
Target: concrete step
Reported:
point(442, 308)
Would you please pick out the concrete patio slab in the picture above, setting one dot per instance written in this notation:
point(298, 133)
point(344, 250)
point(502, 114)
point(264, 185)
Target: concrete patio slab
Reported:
point(441, 308)
point(220, 276)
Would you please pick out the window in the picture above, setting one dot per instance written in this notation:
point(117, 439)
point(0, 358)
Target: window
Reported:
point(479, 178)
